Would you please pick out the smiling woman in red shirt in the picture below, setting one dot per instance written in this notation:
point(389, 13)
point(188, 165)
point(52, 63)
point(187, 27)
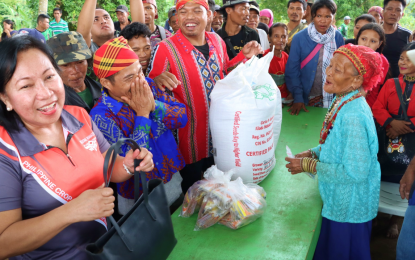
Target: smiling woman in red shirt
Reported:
point(52, 196)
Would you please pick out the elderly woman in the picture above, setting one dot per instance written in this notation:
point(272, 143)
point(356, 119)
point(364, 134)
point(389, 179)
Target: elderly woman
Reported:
point(377, 12)
point(346, 159)
point(311, 51)
point(52, 196)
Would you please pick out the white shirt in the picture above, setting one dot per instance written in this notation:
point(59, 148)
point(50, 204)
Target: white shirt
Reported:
point(263, 37)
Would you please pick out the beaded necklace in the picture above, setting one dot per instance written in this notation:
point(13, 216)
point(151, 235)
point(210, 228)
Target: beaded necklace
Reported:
point(409, 79)
point(330, 117)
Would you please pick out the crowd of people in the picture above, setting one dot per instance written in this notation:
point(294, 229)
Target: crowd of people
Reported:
point(67, 95)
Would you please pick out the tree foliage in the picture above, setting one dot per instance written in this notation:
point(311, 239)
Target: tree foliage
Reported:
point(24, 12)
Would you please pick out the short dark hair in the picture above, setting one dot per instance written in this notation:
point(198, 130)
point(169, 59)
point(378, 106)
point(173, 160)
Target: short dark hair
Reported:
point(57, 9)
point(135, 29)
point(225, 14)
point(8, 21)
point(263, 26)
point(211, 4)
point(9, 50)
point(409, 47)
point(377, 28)
point(330, 4)
point(275, 25)
point(386, 2)
point(42, 17)
point(298, 1)
point(366, 17)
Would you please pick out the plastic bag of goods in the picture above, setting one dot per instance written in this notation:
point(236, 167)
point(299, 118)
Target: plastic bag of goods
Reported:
point(213, 178)
point(219, 202)
point(245, 120)
point(245, 209)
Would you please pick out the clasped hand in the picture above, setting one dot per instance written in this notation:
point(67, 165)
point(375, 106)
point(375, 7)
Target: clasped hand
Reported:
point(140, 98)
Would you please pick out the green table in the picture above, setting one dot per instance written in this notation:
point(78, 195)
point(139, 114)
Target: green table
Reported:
point(289, 228)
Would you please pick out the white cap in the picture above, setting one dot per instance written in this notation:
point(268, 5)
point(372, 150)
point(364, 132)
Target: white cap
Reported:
point(347, 18)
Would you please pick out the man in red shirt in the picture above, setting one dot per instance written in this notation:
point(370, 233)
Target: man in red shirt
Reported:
point(197, 59)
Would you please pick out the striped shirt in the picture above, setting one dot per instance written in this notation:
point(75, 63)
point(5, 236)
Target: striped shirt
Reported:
point(58, 28)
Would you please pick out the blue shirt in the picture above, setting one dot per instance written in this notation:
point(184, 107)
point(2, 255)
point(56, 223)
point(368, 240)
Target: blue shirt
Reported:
point(349, 171)
point(117, 120)
point(299, 81)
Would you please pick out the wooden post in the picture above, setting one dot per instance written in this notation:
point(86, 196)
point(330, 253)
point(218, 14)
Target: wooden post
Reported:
point(43, 6)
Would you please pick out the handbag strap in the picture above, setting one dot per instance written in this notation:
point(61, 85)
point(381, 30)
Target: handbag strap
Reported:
point(399, 92)
point(311, 55)
point(110, 158)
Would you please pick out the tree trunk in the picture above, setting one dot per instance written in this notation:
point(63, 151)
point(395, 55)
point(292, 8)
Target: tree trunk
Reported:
point(43, 6)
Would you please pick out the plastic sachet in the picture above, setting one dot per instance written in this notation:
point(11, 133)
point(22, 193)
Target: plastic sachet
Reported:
point(247, 205)
point(290, 155)
point(234, 205)
point(213, 178)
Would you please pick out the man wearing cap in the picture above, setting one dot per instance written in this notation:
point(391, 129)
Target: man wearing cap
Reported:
point(307, 16)
point(133, 107)
point(151, 14)
point(197, 59)
point(71, 54)
point(96, 25)
point(295, 10)
point(173, 19)
point(343, 28)
point(234, 32)
point(122, 16)
point(217, 20)
point(253, 23)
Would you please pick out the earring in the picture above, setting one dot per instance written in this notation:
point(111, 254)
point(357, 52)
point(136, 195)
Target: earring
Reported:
point(9, 109)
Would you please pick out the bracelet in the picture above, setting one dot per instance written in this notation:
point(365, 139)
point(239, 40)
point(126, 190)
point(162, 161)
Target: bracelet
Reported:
point(126, 169)
point(309, 165)
point(313, 154)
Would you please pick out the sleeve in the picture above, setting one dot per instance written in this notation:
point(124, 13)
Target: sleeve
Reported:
point(355, 166)
point(112, 132)
point(168, 109)
point(229, 65)
point(293, 70)
point(379, 109)
point(159, 62)
point(317, 150)
point(11, 186)
point(102, 142)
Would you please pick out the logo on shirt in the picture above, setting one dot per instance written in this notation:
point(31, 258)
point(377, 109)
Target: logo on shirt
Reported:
point(90, 142)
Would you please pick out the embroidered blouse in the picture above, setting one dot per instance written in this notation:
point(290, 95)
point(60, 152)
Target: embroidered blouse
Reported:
point(349, 171)
point(198, 76)
point(117, 120)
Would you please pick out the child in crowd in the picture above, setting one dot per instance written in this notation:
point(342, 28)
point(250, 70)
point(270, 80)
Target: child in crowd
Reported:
point(278, 36)
point(372, 35)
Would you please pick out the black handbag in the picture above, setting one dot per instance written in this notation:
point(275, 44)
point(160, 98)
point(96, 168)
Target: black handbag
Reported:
point(394, 155)
point(146, 231)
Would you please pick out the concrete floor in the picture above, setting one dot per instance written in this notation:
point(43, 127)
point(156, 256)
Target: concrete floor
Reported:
point(382, 248)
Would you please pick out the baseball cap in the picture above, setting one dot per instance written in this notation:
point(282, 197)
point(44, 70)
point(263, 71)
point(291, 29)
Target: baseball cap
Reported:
point(31, 32)
point(253, 7)
point(217, 7)
point(229, 3)
point(69, 47)
point(122, 8)
point(310, 1)
point(347, 18)
point(172, 12)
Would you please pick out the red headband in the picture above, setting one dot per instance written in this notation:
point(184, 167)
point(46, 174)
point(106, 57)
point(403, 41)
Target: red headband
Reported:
point(112, 57)
point(181, 3)
point(367, 62)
